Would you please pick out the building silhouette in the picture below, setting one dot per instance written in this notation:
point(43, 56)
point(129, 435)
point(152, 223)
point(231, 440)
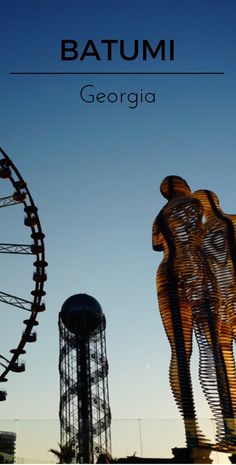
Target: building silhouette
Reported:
point(7, 447)
point(84, 401)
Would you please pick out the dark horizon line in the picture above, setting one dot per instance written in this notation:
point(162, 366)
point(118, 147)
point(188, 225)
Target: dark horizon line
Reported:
point(116, 73)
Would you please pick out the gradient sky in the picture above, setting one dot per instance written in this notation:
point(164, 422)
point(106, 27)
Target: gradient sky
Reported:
point(94, 172)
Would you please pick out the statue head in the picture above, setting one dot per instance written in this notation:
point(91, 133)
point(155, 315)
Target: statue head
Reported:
point(208, 199)
point(172, 186)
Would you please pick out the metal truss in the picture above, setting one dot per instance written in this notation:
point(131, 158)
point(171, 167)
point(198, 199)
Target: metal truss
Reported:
point(8, 201)
point(15, 301)
point(85, 416)
point(23, 249)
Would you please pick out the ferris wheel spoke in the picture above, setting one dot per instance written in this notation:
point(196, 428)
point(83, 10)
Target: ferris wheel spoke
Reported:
point(11, 200)
point(23, 249)
point(15, 301)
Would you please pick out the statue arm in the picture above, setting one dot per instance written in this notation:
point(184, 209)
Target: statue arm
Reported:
point(233, 221)
point(157, 238)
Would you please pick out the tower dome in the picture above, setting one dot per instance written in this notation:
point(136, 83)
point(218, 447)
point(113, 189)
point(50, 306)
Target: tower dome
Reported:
point(82, 314)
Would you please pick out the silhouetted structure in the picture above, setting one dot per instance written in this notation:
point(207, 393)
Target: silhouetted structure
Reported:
point(84, 402)
point(7, 447)
point(197, 291)
point(21, 197)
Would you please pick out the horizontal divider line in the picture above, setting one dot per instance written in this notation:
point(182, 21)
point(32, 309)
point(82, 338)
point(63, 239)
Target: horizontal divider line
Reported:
point(116, 73)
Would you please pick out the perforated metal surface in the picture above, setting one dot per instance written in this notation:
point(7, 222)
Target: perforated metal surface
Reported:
point(196, 287)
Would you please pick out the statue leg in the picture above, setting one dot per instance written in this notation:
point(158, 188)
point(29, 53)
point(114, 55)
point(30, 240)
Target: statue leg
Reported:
point(215, 363)
point(208, 374)
point(226, 343)
point(177, 319)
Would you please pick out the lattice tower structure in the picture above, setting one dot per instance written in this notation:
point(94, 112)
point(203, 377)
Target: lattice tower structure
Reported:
point(85, 416)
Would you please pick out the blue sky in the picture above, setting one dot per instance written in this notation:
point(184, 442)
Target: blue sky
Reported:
point(94, 172)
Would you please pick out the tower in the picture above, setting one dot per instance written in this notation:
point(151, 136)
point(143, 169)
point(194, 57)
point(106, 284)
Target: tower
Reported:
point(84, 402)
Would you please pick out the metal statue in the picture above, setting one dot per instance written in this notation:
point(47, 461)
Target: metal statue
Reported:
point(220, 247)
point(196, 293)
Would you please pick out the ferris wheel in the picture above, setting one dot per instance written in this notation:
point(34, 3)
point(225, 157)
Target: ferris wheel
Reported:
point(21, 198)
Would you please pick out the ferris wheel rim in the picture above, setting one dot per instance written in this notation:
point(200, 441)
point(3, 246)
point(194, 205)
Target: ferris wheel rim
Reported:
point(38, 250)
